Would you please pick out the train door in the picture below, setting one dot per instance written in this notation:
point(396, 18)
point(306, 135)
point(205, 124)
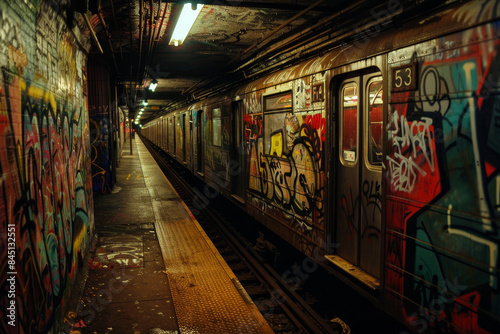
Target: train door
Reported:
point(199, 141)
point(183, 127)
point(174, 135)
point(237, 167)
point(169, 133)
point(191, 141)
point(164, 133)
point(359, 174)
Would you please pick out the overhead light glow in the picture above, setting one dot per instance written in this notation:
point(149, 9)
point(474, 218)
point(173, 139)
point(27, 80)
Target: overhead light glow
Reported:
point(152, 85)
point(184, 24)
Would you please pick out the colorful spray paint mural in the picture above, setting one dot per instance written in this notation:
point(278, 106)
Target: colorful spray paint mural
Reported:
point(46, 204)
point(443, 177)
point(285, 164)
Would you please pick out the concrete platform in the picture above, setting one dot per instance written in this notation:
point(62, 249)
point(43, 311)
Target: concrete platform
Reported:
point(153, 269)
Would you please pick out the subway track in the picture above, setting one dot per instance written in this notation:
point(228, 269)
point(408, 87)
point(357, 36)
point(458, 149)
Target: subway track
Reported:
point(285, 309)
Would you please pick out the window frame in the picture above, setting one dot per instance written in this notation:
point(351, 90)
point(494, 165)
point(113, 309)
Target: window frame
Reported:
point(267, 112)
point(367, 124)
point(344, 84)
point(219, 134)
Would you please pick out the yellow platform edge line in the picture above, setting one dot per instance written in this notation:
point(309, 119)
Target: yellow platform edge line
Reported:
point(263, 324)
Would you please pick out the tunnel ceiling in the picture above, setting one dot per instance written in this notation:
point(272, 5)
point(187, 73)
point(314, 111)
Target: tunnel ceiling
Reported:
point(230, 42)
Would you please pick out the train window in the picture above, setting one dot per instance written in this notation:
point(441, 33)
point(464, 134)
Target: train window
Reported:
point(273, 130)
point(277, 108)
point(349, 138)
point(279, 102)
point(375, 121)
point(216, 127)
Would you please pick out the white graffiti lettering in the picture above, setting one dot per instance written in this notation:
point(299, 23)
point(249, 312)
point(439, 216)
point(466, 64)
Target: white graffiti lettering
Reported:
point(412, 149)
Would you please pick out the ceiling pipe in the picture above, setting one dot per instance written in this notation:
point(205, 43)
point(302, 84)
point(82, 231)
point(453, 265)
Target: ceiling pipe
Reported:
point(131, 37)
point(150, 44)
point(157, 32)
point(92, 32)
point(116, 28)
point(157, 38)
point(108, 37)
point(249, 4)
point(140, 43)
point(325, 45)
point(284, 24)
point(294, 42)
point(266, 37)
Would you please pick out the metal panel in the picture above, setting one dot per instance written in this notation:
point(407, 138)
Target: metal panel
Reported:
point(359, 215)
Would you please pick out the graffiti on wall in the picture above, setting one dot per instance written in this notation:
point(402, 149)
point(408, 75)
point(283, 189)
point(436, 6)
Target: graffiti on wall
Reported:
point(46, 187)
point(45, 193)
point(101, 166)
point(445, 159)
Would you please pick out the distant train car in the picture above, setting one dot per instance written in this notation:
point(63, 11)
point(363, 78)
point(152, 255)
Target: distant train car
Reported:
point(380, 159)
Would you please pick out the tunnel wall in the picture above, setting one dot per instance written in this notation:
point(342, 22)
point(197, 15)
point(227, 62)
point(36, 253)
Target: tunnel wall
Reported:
point(46, 203)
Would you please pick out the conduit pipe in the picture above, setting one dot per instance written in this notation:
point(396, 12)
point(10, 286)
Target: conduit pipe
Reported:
point(330, 43)
point(293, 39)
point(266, 37)
point(140, 41)
point(99, 15)
point(284, 24)
point(116, 27)
point(92, 32)
point(150, 44)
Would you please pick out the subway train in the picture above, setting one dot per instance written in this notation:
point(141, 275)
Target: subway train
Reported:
point(379, 159)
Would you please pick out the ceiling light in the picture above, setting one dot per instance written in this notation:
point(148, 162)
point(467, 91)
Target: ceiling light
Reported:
point(145, 102)
point(184, 24)
point(152, 85)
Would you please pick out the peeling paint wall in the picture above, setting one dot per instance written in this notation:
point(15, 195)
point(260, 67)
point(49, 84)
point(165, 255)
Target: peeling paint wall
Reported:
point(46, 203)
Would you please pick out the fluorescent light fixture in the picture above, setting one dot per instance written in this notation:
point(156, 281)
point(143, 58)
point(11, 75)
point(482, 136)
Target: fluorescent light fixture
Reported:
point(140, 112)
point(184, 24)
point(152, 85)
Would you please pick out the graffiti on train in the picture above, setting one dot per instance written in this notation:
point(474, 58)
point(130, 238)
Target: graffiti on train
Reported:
point(370, 204)
point(46, 193)
point(445, 157)
point(290, 173)
point(414, 155)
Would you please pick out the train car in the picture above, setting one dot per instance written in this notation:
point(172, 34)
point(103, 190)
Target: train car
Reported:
point(379, 159)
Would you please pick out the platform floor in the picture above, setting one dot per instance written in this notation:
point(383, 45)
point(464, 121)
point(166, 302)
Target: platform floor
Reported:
point(153, 269)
